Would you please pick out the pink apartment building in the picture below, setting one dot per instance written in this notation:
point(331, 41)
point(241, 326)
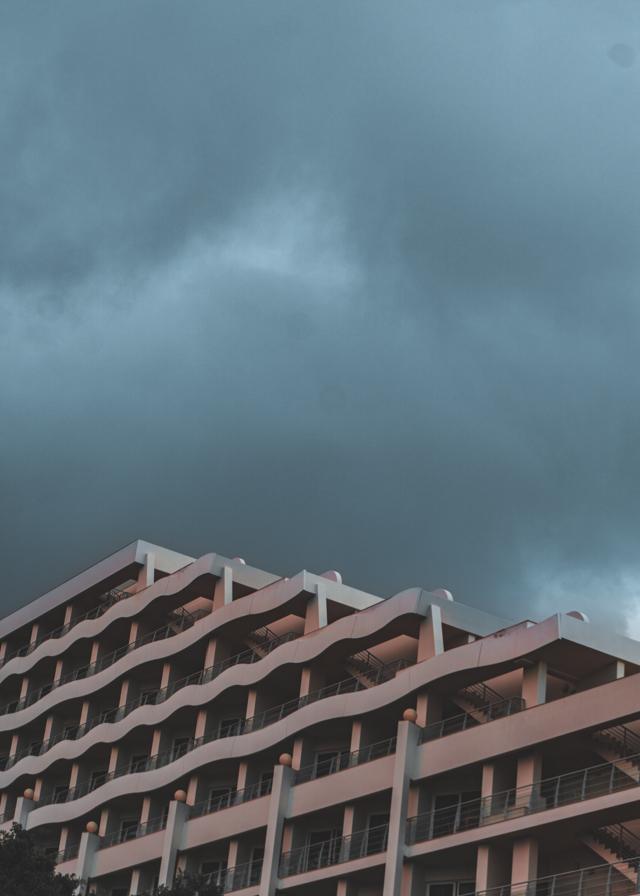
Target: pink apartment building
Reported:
point(160, 713)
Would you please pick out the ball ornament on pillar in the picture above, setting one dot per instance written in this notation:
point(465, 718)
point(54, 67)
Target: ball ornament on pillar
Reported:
point(180, 796)
point(410, 715)
point(91, 827)
point(286, 759)
point(28, 793)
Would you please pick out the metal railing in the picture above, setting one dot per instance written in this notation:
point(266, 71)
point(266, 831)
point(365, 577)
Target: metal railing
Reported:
point(241, 726)
point(620, 738)
point(454, 724)
point(344, 760)
point(374, 669)
point(621, 841)
point(313, 856)
point(231, 798)
point(65, 855)
point(154, 698)
point(112, 597)
point(152, 826)
point(175, 627)
point(482, 694)
point(561, 790)
point(596, 880)
point(235, 878)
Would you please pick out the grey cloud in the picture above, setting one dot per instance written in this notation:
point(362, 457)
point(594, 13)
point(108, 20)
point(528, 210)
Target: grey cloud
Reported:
point(324, 285)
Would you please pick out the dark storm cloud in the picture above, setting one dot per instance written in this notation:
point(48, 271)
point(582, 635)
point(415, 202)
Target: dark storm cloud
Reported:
point(325, 285)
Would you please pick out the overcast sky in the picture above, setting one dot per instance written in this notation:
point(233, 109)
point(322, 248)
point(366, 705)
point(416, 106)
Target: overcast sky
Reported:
point(344, 285)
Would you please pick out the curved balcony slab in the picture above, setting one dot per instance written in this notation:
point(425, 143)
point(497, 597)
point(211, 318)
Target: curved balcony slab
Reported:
point(299, 652)
point(488, 657)
point(269, 599)
point(127, 855)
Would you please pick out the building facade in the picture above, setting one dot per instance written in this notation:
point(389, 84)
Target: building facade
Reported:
point(161, 714)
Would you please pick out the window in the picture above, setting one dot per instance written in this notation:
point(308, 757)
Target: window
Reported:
point(257, 855)
point(128, 830)
point(441, 889)
point(264, 785)
point(228, 727)
point(138, 763)
point(213, 871)
point(60, 792)
point(322, 848)
point(70, 731)
point(377, 831)
point(219, 798)
point(97, 779)
point(455, 812)
point(180, 747)
point(326, 763)
point(148, 697)
point(466, 888)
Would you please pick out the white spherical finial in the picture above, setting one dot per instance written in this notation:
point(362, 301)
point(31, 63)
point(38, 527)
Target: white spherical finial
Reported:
point(91, 827)
point(443, 593)
point(578, 614)
point(286, 759)
point(180, 796)
point(410, 715)
point(28, 793)
point(333, 575)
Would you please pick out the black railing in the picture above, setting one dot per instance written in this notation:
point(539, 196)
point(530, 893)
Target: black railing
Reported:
point(69, 852)
point(481, 694)
point(344, 760)
point(621, 841)
point(561, 790)
point(175, 627)
point(231, 798)
point(110, 598)
point(235, 878)
point(454, 724)
point(152, 826)
point(313, 856)
point(241, 726)
point(116, 713)
point(621, 739)
point(597, 880)
point(374, 669)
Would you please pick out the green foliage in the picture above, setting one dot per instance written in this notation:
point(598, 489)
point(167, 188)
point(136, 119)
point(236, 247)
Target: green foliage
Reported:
point(26, 871)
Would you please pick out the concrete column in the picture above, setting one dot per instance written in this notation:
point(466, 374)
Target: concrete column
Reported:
point(178, 814)
point(492, 867)
point(223, 589)
point(89, 844)
point(141, 882)
point(3, 651)
point(403, 771)
point(524, 864)
point(528, 776)
point(146, 576)
point(58, 672)
point(311, 679)
point(278, 810)
point(345, 887)
point(35, 629)
point(429, 708)
point(430, 635)
point(316, 612)
point(23, 807)
point(534, 684)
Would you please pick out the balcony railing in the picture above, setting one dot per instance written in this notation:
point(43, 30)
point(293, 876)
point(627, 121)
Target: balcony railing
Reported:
point(152, 826)
point(232, 798)
point(454, 724)
point(241, 726)
point(69, 852)
point(116, 713)
point(313, 856)
point(236, 878)
point(109, 599)
point(344, 760)
point(174, 627)
point(597, 880)
point(550, 793)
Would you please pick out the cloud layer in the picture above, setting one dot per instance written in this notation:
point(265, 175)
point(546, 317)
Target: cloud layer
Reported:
point(325, 285)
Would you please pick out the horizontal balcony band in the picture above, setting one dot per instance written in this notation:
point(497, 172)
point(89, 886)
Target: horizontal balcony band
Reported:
point(452, 725)
point(241, 726)
point(110, 598)
point(175, 627)
point(238, 877)
point(230, 799)
point(151, 698)
point(596, 880)
point(125, 835)
point(336, 851)
point(550, 793)
point(345, 760)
